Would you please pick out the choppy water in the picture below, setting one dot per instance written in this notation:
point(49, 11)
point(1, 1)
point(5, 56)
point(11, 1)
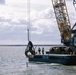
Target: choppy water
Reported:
point(13, 62)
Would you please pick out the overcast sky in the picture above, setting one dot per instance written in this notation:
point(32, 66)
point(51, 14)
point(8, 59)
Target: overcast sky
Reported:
point(43, 26)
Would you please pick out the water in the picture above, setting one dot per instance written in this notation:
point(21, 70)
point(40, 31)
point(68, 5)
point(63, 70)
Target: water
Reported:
point(13, 62)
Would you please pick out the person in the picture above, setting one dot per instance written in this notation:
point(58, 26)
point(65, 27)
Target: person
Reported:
point(39, 50)
point(42, 50)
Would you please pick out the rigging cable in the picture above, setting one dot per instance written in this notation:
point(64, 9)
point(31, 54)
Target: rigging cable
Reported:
point(28, 19)
point(28, 25)
point(74, 2)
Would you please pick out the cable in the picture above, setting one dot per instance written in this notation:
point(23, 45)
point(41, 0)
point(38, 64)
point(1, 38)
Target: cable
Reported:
point(28, 19)
point(74, 2)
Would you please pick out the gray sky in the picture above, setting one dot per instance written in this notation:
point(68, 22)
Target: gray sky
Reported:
point(13, 21)
point(2, 1)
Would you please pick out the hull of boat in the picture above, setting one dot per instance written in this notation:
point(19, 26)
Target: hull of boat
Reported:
point(60, 59)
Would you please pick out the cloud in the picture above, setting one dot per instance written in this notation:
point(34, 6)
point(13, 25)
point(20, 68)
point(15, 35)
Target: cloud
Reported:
point(14, 26)
point(43, 25)
point(44, 19)
point(2, 1)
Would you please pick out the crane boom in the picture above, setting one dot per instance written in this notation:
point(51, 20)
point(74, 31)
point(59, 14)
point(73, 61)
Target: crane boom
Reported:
point(63, 21)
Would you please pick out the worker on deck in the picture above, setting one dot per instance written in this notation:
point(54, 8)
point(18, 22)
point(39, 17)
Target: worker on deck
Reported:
point(39, 50)
point(42, 50)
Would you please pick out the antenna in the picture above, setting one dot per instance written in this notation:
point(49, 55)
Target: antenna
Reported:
point(28, 18)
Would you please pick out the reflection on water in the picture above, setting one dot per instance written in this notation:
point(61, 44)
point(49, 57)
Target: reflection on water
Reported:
point(13, 62)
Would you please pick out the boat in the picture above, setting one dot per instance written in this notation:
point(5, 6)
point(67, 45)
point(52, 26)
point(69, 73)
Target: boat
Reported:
point(52, 58)
point(63, 57)
point(65, 54)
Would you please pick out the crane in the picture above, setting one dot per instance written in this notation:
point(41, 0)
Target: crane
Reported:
point(63, 22)
point(58, 54)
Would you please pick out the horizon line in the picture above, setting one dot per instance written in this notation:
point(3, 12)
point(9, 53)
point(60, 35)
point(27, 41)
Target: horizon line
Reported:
point(34, 45)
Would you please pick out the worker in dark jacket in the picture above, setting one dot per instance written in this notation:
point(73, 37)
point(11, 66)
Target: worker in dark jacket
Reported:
point(42, 50)
point(39, 50)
